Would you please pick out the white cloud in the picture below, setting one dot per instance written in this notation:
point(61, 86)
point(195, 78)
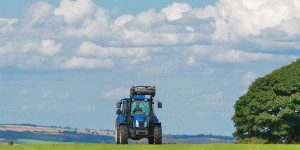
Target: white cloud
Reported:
point(233, 27)
point(49, 47)
point(207, 12)
point(292, 27)
point(150, 17)
point(122, 20)
point(29, 46)
point(95, 27)
point(189, 28)
point(91, 49)
point(38, 13)
point(119, 92)
point(191, 60)
point(250, 17)
point(74, 11)
point(23, 92)
point(45, 47)
point(86, 63)
point(175, 11)
point(23, 61)
point(7, 48)
point(248, 78)
point(240, 56)
point(6, 25)
point(221, 54)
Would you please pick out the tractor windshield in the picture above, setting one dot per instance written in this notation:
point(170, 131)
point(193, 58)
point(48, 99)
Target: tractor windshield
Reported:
point(140, 108)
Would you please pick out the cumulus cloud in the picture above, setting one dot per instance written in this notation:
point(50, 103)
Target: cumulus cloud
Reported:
point(122, 20)
point(23, 61)
point(37, 13)
point(86, 63)
point(250, 17)
point(49, 47)
point(7, 25)
point(249, 77)
point(191, 60)
point(175, 11)
point(44, 47)
point(241, 31)
point(94, 27)
point(150, 17)
point(75, 11)
point(240, 56)
point(221, 54)
point(91, 49)
point(292, 27)
point(119, 92)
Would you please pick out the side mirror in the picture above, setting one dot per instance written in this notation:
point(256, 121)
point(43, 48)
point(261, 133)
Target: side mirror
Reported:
point(119, 104)
point(119, 112)
point(159, 104)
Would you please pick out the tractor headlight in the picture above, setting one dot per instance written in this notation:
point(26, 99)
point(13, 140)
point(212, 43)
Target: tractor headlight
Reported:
point(136, 123)
point(145, 124)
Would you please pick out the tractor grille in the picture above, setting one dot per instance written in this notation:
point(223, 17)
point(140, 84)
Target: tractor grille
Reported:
point(141, 124)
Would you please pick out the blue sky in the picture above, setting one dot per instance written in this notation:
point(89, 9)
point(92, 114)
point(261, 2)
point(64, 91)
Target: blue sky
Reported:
point(66, 63)
point(17, 7)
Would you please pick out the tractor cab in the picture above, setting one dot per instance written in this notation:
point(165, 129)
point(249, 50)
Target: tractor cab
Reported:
point(136, 118)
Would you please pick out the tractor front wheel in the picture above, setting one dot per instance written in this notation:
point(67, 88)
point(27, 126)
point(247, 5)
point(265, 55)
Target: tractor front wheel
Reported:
point(157, 134)
point(150, 140)
point(123, 134)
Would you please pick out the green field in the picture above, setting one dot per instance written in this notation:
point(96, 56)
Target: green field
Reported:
point(36, 142)
point(150, 147)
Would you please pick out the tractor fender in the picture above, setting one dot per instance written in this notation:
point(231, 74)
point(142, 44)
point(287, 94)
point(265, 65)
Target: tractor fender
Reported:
point(121, 119)
point(154, 119)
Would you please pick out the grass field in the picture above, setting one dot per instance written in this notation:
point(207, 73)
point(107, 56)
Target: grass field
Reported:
point(150, 147)
point(36, 142)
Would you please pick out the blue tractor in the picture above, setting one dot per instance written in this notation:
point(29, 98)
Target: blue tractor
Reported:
point(136, 119)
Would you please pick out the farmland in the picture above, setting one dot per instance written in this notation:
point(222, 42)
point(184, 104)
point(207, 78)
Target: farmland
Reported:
point(149, 147)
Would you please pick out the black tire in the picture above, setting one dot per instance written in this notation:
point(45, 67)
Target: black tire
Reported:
point(123, 134)
point(157, 134)
point(117, 132)
point(150, 140)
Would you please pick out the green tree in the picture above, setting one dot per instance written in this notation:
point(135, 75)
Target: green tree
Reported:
point(270, 110)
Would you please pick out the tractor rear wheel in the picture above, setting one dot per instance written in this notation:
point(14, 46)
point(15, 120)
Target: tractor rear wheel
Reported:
point(157, 134)
point(123, 134)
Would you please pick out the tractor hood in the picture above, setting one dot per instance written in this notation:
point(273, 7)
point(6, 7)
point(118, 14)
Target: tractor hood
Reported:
point(140, 118)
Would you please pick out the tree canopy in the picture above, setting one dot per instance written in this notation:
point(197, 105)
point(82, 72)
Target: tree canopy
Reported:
point(270, 110)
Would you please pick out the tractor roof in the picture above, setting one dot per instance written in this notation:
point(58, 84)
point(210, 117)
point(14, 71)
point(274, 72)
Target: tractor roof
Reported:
point(142, 90)
point(136, 97)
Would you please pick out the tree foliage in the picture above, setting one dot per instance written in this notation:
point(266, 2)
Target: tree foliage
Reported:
point(270, 110)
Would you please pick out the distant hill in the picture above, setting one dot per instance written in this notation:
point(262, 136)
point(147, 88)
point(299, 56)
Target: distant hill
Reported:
point(55, 134)
point(198, 139)
point(22, 133)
